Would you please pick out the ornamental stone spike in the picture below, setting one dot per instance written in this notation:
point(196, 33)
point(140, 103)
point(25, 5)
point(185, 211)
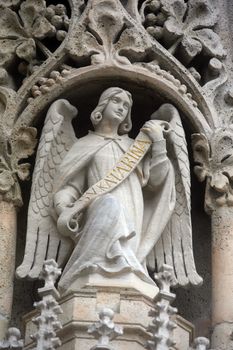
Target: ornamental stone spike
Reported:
point(162, 326)
point(105, 330)
point(12, 340)
point(49, 309)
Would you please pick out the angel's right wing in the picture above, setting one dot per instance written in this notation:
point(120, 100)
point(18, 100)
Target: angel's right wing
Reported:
point(175, 244)
point(43, 240)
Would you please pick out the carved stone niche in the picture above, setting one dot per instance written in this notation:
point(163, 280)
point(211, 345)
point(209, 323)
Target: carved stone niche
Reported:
point(150, 87)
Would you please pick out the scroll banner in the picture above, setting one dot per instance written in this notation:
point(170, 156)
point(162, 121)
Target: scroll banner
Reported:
point(67, 222)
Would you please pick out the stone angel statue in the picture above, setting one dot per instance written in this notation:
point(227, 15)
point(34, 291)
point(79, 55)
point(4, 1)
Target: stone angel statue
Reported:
point(106, 204)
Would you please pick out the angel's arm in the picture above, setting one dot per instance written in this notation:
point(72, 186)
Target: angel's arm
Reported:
point(159, 162)
point(69, 193)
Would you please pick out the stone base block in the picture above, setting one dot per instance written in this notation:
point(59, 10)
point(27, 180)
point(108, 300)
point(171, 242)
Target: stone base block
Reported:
point(80, 309)
point(126, 281)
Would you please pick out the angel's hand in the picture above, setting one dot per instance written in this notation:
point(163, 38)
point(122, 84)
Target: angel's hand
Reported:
point(60, 208)
point(153, 130)
point(67, 226)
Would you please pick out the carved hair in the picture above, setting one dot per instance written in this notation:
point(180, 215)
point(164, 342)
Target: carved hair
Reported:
point(96, 115)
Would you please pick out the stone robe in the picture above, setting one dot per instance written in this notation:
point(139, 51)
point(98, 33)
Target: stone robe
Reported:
point(118, 229)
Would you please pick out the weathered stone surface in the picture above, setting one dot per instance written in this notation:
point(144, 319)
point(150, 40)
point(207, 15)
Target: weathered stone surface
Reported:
point(24, 28)
point(120, 41)
point(214, 159)
point(184, 28)
point(7, 259)
point(131, 309)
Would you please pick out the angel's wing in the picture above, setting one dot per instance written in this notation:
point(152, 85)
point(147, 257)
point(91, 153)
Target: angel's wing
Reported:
point(43, 240)
point(175, 244)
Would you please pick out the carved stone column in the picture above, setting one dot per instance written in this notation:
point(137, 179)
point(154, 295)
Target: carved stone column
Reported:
point(215, 163)
point(20, 146)
point(7, 261)
point(222, 277)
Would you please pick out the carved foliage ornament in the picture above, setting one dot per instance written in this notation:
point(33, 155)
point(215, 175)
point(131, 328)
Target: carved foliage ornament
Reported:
point(23, 30)
point(214, 160)
point(103, 31)
point(12, 166)
point(107, 31)
point(184, 27)
point(108, 34)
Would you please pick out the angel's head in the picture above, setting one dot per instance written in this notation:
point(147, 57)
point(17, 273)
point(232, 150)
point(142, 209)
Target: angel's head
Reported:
point(114, 103)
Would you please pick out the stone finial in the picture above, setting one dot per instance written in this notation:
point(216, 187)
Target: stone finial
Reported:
point(105, 330)
point(165, 279)
point(162, 326)
point(49, 309)
point(201, 343)
point(12, 340)
point(49, 274)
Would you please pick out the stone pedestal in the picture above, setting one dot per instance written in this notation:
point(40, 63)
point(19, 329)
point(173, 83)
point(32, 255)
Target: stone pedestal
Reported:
point(125, 281)
point(131, 309)
point(222, 277)
point(7, 262)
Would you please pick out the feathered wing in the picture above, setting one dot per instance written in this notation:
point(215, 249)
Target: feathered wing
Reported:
point(43, 240)
point(175, 244)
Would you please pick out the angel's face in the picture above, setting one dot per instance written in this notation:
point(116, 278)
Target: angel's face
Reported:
point(117, 108)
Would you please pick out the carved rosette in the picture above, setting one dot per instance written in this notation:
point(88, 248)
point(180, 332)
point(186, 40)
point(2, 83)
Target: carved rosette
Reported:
point(214, 162)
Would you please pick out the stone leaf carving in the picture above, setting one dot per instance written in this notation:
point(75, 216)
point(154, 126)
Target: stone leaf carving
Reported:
point(185, 28)
point(22, 31)
point(214, 159)
point(215, 77)
point(105, 32)
point(10, 3)
point(20, 147)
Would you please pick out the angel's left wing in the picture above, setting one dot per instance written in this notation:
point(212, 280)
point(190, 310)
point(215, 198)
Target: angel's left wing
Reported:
point(43, 240)
point(175, 244)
